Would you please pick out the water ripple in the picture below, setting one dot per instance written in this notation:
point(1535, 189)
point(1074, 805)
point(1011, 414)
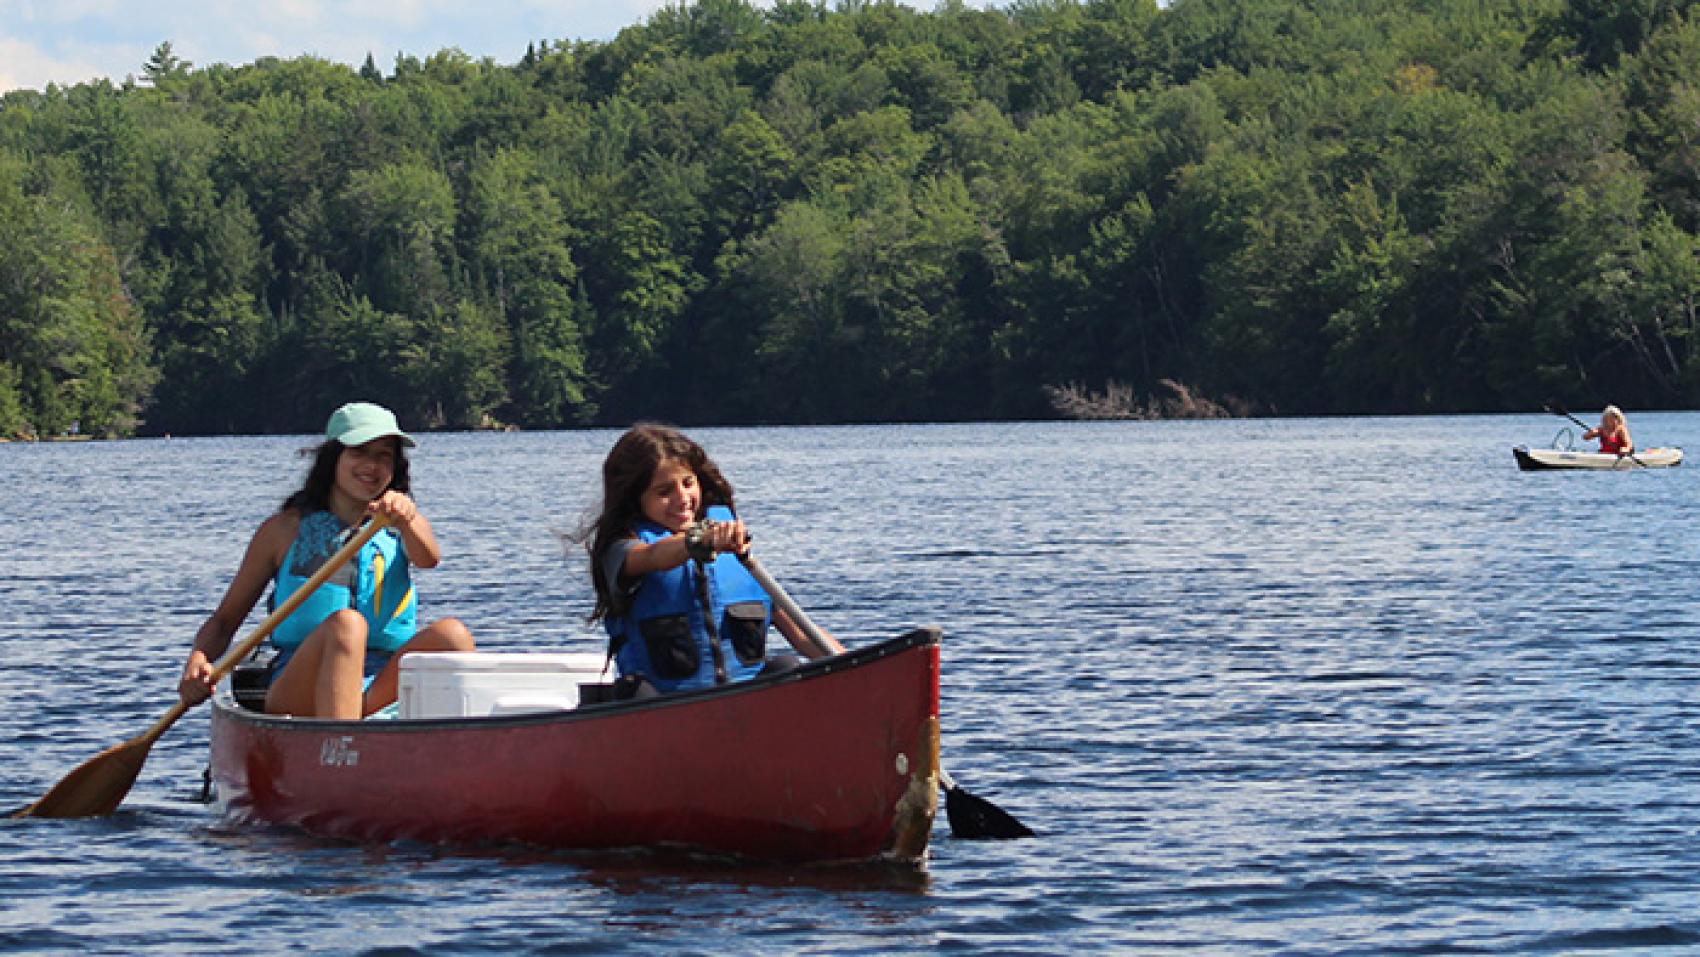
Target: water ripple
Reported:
point(1348, 686)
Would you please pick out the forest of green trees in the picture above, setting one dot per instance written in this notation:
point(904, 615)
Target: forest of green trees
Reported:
point(863, 212)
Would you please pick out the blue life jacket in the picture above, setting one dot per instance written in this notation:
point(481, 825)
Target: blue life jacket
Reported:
point(664, 636)
point(376, 583)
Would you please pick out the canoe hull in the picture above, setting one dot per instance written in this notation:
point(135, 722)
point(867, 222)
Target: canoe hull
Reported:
point(837, 760)
point(1537, 460)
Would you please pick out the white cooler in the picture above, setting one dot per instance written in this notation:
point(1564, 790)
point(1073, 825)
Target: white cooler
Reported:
point(457, 684)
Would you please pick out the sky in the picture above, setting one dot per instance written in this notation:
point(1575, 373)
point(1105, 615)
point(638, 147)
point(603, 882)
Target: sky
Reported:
point(74, 41)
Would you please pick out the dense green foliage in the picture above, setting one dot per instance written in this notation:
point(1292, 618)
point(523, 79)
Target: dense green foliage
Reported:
point(865, 212)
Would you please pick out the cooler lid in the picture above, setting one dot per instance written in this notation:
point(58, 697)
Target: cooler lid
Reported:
point(501, 661)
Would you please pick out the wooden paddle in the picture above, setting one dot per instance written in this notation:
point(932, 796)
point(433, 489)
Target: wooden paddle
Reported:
point(98, 785)
point(971, 817)
point(1559, 410)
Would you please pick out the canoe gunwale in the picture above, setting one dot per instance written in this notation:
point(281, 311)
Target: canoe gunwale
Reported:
point(917, 638)
point(833, 761)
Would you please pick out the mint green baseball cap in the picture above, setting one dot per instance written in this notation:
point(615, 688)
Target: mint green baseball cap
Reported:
point(360, 422)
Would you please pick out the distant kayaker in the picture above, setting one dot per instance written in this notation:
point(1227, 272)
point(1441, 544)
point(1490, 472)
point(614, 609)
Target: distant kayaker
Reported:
point(681, 611)
point(338, 654)
point(1613, 433)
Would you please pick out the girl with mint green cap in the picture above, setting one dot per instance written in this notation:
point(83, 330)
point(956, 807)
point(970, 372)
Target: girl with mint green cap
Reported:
point(339, 652)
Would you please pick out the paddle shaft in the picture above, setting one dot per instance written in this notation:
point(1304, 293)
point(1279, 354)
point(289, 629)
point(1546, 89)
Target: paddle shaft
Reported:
point(971, 816)
point(97, 786)
point(822, 647)
point(242, 649)
point(1585, 427)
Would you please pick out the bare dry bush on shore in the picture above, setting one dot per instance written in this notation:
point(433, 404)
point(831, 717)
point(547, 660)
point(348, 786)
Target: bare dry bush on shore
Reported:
point(1117, 401)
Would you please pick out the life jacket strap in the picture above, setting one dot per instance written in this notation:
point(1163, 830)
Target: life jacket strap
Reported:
point(720, 676)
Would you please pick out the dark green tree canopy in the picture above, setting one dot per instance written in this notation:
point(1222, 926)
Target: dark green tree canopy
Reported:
point(863, 212)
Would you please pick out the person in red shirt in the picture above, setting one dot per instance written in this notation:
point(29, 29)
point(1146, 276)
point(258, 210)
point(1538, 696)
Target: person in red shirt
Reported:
point(1613, 433)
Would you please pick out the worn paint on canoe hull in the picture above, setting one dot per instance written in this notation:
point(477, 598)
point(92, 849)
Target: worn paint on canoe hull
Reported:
point(837, 760)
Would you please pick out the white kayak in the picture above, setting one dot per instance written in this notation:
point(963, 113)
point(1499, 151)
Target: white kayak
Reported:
point(1531, 460)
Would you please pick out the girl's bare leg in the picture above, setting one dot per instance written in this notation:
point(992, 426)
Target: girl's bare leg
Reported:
point(323, 678)
point(447, 634)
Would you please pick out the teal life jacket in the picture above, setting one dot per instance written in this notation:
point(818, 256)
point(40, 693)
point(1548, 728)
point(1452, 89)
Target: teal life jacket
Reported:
point(376, 583)
point(664, 637)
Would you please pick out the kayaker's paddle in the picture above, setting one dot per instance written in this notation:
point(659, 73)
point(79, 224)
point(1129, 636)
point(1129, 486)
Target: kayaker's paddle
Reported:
point(971, 817)
point(97, 786)
point(1559, 410)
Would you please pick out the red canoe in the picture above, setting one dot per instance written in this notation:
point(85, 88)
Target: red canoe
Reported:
point(836, 760)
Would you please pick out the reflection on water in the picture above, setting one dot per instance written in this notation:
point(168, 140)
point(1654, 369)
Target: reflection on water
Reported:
point(1322, 686)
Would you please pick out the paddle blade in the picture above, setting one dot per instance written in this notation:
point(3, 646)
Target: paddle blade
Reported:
point(97, 786)
point(977, 819)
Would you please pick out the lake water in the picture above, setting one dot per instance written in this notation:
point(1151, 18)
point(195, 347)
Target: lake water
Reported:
point(1318, 686)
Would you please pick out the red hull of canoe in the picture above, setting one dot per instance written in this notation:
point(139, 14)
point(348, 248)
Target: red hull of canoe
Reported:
point(837, 760)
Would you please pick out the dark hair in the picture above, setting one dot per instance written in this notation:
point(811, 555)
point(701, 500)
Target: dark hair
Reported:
point(626, 473)
point(314, 495)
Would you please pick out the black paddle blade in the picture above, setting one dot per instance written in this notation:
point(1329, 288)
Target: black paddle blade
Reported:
point(977, 819)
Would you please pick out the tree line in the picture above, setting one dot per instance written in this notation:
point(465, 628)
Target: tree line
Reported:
point(862, 212)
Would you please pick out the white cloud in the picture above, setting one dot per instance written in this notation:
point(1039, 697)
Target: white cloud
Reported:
point(59, 12)
point(285, 14)
point(72, 41)
point(405, 13)
point(25, 65)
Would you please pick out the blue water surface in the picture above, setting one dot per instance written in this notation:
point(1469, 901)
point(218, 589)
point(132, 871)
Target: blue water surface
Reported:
point(1313, 686)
